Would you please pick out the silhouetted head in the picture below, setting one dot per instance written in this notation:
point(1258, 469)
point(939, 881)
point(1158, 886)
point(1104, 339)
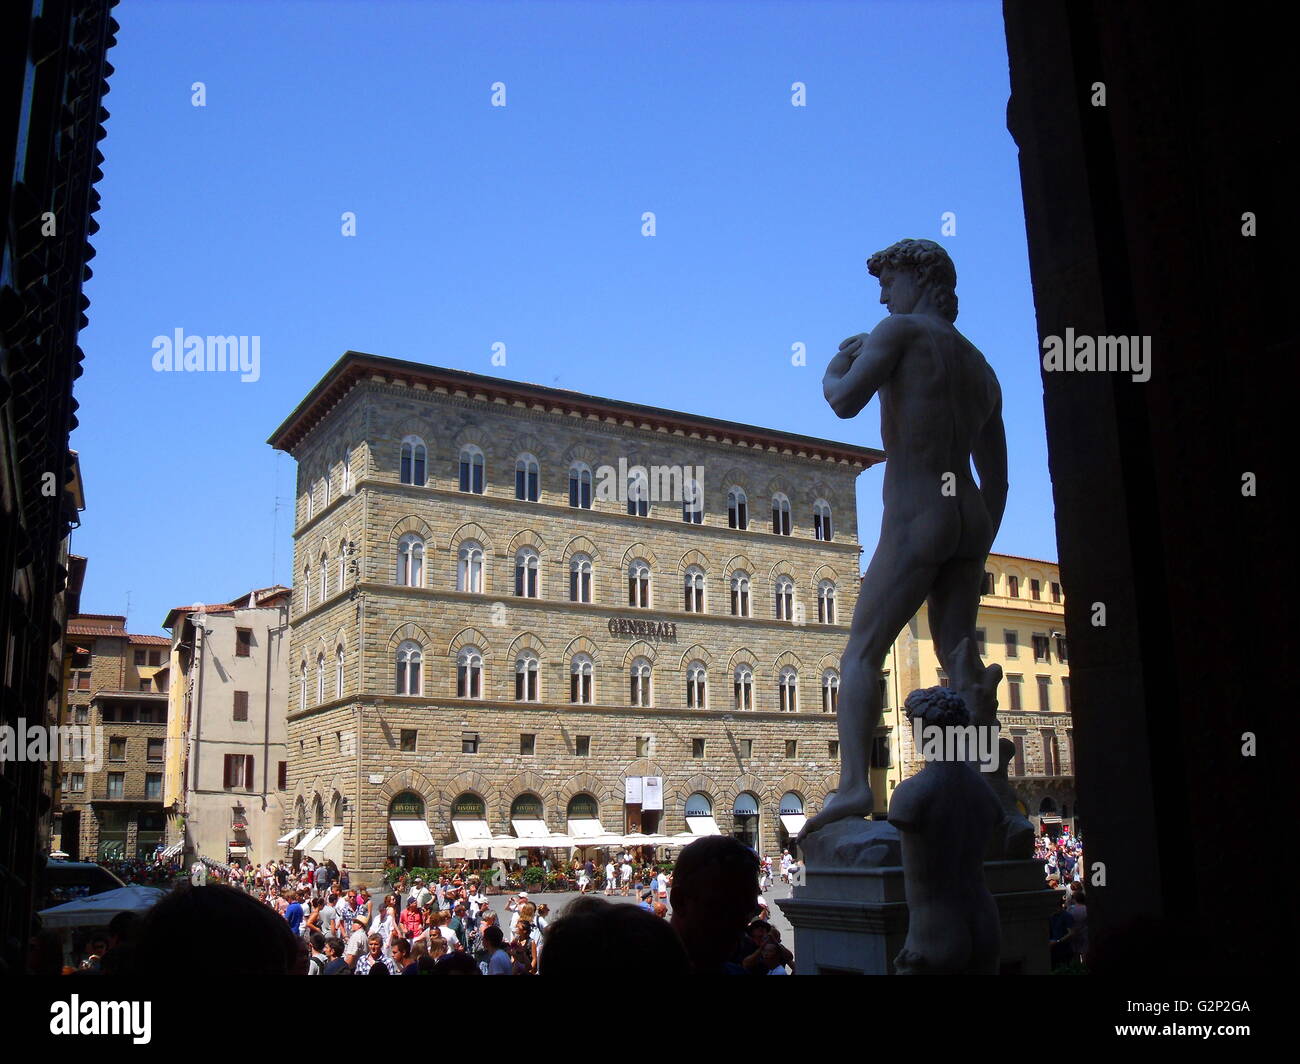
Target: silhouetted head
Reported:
point(598, 937)
point(249, 938)
point(715, 883)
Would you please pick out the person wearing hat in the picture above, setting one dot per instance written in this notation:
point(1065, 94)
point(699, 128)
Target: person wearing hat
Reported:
point(357, 941)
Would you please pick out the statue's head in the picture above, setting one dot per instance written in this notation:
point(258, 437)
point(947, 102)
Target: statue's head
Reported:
point(912, 268)
point(938, 706)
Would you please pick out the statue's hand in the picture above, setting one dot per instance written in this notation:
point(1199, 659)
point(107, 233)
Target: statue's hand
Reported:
point(852, 347)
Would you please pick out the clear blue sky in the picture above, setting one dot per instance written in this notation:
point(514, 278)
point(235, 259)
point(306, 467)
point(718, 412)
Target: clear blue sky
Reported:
point(522, 225)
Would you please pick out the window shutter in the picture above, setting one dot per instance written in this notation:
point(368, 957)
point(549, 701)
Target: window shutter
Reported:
point(248, 771)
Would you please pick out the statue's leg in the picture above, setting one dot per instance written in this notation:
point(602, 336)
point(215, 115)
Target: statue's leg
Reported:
point(954, 604)
point(895, 585)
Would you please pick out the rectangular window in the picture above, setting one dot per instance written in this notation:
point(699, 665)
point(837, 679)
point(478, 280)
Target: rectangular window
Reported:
point(1042, 649)
point(1065, 692)
point(1018, 763)
point(83, 681)
point(1049, 753)
point(155, 658)
point(1056, 591)
point(77, 782)
point(1013, 586)
point(582, 745)
point(1044, 694)
point(139, 658)
point(833, 749)
point(116, 784)
point(282, 775)
point(882, 752)
point(746, 747)
point(792, 748)
point(981, 641)
point(243, 642)
point(469, 743)
point(527, 744)
point(1013, 689)
point(233, 771)
point(697, 748)
point(884, 691)
point(408, 737)
point(157, 749)
point(83, 714)
point(153, 786)
point(1012, 641)
point(241, 705)
point(943, 678)
point(1062, 651)
point(146, 685)
point(117, 749)
point(990, 583)
point(1035, 589)
point(642, 746)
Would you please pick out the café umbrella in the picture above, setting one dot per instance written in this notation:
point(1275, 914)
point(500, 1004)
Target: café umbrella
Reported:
point(98, 909)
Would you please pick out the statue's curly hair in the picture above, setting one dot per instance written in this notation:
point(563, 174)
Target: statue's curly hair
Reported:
point(928, 261)
point(937, 705)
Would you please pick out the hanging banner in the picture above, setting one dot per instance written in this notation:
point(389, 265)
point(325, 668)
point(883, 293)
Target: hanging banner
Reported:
point(632, 790)
point(653, 792)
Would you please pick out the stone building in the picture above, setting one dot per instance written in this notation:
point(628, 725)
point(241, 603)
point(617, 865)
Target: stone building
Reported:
point(1020, 626)
point(518, 607)
point(115, 682)
point(226, 771)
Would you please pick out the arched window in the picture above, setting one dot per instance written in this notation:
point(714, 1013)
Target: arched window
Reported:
point(698, 805)
point(740, 593)
point(580, 675)
point(325, 489)
point(302, 686)
point(744, 687)
point(830, 691)
point(413, 460)
point(697, 686)
point(306, 587)
point(826, 602)
point(410, 660)
point(526, 666)
point(780, 515)
point(343, 564)
point(528, 478)
point(469, 673)
point(694, 589)
point(788, 687)
point(346, 480)
point(784, 598)
point(311, 502)
point(320, 678)
point(737, 509)
point(641, 674)
point(638, 492)
point(471, 469)
point(469, 566)
point(580, 578)
point(822, 520)
point(692, 502)
point(526, 564)
point(638, 584)
point(410, 561)
point(338, 671)
point(580, 486)
point(324, 576)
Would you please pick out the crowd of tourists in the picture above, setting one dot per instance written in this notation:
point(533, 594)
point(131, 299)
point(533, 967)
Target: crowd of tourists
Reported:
point(703, 917)
point(1063, 867)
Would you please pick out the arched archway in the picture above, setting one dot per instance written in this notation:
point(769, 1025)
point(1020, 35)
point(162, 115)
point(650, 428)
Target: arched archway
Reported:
point(745, 819)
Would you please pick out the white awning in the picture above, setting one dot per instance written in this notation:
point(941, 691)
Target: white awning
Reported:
point(238, 851)
point(322, 844)
point(1050, 818)
point(793, 822)
point(290, 837)
point(581, 829)
point(173, 849)
point(471, 829)
point(702, 825)
point(530, 829)
point(411, 832)
point(306, 840)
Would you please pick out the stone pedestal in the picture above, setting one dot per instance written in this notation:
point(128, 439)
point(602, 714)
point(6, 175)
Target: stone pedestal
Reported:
point(853, 921)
